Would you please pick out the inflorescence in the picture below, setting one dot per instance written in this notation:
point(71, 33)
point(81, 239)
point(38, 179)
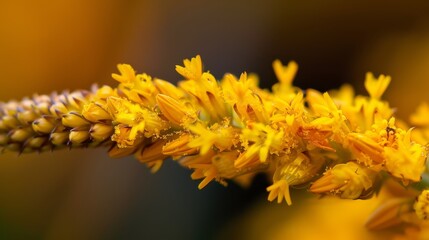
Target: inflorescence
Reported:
point(337, 143)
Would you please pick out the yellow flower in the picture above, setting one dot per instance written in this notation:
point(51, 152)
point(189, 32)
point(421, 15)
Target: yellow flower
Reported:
point(179, 147)
point(122, 136)
point(421, 116)
point(407, 161)
point(260, 141)
point(168, 89)
point(220, 136)
point(206, 95)
point(421, 206)
point(366, 149)
point(391, 213)
point(376, 86)
point(193, 68)
point(174, 110)
point(243, 98)
point(100, 132)
point(348, 180)
point(285, 74)
point(288, 173)
point(127, 76)
point(203, 168)
point(279, 190)
point(140, 120)
point(233, 129)
point(95, 113)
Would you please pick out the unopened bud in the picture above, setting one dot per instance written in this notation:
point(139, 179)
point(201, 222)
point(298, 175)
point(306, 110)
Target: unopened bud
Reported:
point(73, 119)
point(179, 147)
point(59, 138)
point(20, 134)
point(100, 132)
point(95, 113)
point(43, 125)
point(175, 111)
point(27, 116)
point(78, 137)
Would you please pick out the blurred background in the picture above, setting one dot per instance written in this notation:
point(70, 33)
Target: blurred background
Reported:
point(48, 46)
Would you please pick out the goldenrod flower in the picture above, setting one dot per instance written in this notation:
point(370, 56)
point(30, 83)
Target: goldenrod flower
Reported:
point(231, 129)
point(376, 87)
point(390, 213)
point(349, 180)
point(421, 206)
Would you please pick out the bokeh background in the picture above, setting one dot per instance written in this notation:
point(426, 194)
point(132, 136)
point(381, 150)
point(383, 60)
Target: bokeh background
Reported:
point(48, 46)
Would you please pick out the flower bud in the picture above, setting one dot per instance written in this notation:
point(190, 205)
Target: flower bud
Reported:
point(73, 119)
point(100, 132)
point(179, 147)
point(59, 138)
point(421, 206)
point(43, 125)
point(95, 113)
point(26, 117)
point(78, 137)
point(36, 142)
point(167, 88)
point(175, 111)
point(349, 180)
point(20, 134)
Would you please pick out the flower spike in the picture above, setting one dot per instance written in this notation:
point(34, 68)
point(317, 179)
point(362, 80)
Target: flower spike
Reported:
point(230, 128)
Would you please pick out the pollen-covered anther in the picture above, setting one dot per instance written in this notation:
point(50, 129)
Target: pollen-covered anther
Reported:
point(74, 119)
point(122, 137)
point(421, 206)
point(172, 109)
point(349, 180)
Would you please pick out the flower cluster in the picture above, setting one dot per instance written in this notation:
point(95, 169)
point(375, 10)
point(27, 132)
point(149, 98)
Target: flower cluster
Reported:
point(340, 143)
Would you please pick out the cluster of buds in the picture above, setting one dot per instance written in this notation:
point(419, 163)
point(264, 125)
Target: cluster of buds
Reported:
point(51, 122)
point(339, 143)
